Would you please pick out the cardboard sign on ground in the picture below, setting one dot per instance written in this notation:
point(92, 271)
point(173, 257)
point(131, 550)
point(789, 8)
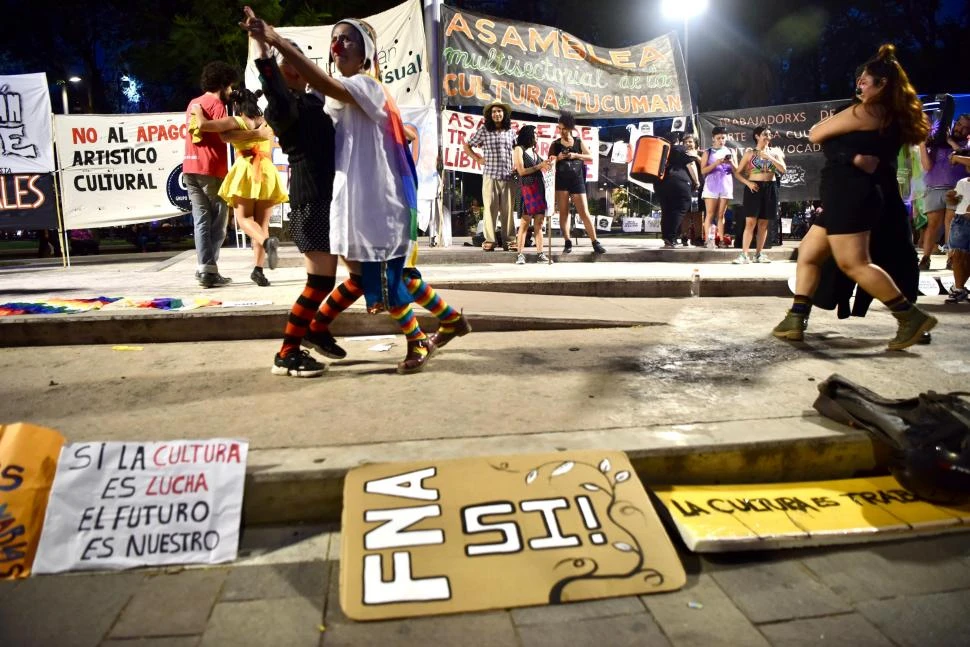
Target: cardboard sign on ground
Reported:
point(121, 505)
point(447, 536)
point(719, 518)
point(28, 460)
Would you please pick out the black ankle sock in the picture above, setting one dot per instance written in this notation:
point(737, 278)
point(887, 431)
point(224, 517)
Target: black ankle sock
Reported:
point(801, 305)
point(258, 268)
point(899, 304)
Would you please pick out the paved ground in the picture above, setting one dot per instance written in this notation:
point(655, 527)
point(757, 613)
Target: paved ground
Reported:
point(914, 593)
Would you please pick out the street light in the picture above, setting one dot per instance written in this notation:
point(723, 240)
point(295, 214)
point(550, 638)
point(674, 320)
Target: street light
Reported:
point(63, 84)
point(683, 10)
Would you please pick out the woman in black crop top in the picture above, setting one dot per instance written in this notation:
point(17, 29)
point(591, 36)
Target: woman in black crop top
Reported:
point(571, 155)
point(888, 114)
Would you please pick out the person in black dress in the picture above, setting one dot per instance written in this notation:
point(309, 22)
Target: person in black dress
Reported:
point(571, 156)
point(675, 192)
point(888, 115)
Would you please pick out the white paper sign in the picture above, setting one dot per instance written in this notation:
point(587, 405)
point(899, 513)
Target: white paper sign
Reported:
point(458, 127)
point(25, 125)
point(121, 505)
point(928, 285)
point(604, 223)
point(632, 225)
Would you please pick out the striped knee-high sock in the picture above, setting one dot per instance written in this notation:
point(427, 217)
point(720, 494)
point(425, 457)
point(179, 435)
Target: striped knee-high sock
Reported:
point(303, 310)
point(426, 297)
point(404, 316)
point(337, 301)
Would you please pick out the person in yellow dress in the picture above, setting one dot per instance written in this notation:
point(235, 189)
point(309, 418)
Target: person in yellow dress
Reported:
point(253, 186)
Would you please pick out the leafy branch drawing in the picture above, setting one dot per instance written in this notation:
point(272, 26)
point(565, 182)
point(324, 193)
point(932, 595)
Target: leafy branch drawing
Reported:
point(606, 484)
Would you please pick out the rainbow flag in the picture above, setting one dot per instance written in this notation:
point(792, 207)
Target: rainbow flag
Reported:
point(404, 161)
point(75, 306)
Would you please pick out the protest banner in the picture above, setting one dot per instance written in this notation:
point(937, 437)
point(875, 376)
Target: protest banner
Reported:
point(121, 169)
point(28, 201)
point(26, 146)
point(28, 459)
point(458, 127)
point(543, 70)
point(120, 505)
point(401, 52)
point(449, 536)
point(790, 125)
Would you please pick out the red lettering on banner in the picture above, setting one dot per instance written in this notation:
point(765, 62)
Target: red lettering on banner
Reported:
point(196, 453)
point(162, 132)
point(84, 135)
point(181, 484)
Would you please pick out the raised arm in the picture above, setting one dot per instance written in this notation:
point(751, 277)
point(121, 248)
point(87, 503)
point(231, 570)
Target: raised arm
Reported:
point(857, 117)
point(314, 75)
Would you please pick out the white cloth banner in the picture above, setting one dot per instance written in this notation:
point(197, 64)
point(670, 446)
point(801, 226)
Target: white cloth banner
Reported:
point(25, 125)
point(422, 123)
point(121, 169)
point(121, 505)
point(458, 127)
point(401, 52)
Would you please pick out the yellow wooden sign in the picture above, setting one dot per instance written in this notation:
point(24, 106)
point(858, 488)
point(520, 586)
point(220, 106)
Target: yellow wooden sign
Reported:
point(718, 518)
point(447, 536)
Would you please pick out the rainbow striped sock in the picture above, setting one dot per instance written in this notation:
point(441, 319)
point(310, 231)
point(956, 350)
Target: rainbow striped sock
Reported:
point(404, 316)
point(426, 297)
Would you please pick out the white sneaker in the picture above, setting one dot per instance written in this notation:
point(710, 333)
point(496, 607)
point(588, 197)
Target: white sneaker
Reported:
point(762, 258)
point(742, 259)
point(542, 258)
point(520, 259)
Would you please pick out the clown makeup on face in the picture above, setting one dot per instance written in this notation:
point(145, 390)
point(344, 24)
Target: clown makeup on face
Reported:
point(347, 49)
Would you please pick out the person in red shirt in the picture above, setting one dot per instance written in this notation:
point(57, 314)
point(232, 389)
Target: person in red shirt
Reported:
point(206, 164)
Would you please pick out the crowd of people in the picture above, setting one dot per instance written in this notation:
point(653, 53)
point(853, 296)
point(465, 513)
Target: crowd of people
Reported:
point(353, 187)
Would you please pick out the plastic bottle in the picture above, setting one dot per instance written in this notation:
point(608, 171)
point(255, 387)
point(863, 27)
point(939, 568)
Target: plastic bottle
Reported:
point(695, 283)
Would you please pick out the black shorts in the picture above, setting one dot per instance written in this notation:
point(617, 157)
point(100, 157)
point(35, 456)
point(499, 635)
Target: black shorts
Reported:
point(571, 184)
point(310, 227)
point(763, 203)
point(851, 203)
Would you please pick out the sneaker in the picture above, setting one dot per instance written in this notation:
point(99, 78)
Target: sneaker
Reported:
point(272, 247)
point(298, 364)
point(762, 258)
point(567, 247)
point(912, 324)
point(542, 258)
point(598, 247)
point(792, 327)
point(958, 296)
point(924, 263)
point(520, 259)
point(213, 280)
point(415, 360)
point(668, 245)
point(742, 259)
point(324, 343)
point(458, 329)
point(259, 278)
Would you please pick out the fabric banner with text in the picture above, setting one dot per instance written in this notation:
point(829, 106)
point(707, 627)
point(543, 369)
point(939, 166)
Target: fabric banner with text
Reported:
point(25, 125)
point(28, 460)
point(401, 52)
point(28, 201)
point(120, 505)
point(790, 125)
point(121, 169)
point(458, 127)
point(543, 70)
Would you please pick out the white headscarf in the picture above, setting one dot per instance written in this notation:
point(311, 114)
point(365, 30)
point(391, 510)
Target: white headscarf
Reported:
point(370, 48)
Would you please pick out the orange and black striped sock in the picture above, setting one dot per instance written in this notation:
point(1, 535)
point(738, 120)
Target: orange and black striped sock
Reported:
point(337, 301)
point(306, 306)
